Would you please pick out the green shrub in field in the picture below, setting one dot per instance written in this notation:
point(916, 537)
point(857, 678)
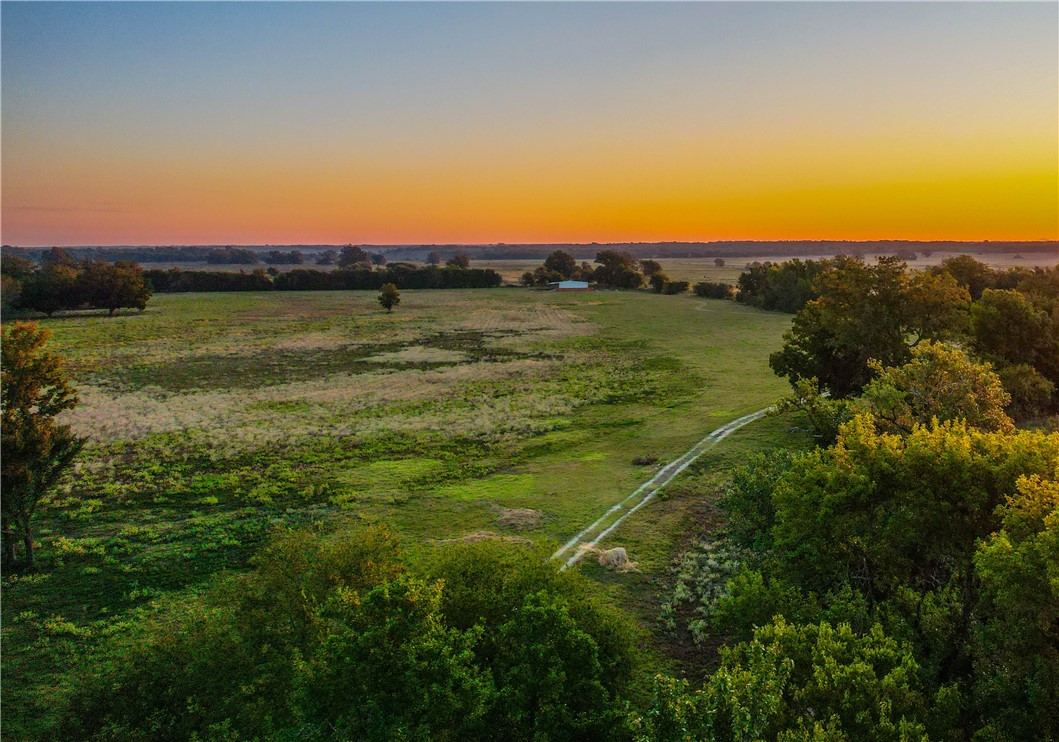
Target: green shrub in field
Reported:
point(675, 287)
point(711, 290)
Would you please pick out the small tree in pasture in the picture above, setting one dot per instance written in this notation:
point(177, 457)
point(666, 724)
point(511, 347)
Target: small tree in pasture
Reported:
point(389, 297)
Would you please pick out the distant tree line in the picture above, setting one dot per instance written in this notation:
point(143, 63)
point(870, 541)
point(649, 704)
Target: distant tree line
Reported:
point(212, 255)
point(730, 249)
point(60, 283)
point(359, 278)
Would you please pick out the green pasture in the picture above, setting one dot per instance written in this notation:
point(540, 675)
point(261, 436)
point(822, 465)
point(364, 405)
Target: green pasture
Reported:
point(215, 419)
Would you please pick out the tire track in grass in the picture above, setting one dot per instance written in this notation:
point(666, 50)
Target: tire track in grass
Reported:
point(646, 491)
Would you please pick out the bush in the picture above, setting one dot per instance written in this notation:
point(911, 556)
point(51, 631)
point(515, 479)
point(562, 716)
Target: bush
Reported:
point(675, 287)
point(748, 501)
point(710, 290)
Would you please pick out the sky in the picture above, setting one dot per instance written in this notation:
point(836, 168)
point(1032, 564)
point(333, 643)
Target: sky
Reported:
point(407, 123)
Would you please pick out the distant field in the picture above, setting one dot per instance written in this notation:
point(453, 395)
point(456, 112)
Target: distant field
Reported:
point(215, 418)
point(704, 269)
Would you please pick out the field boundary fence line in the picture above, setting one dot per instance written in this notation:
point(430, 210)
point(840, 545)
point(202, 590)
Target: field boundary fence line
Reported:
point(646, 491)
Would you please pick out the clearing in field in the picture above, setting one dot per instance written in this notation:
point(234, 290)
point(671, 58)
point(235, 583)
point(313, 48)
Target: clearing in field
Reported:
point(214, 419)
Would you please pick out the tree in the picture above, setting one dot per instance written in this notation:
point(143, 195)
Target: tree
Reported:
point(327, 257)
point(112, 286)
point(351, 255)
point(389, 297)
point(50, 289)
point(658, 281)
point(460, 260)
point(57, 256)
point(863, 313)
point(1031, 393)
point(1006, 328)
point(971, 274)
point(16, 267)
point(815, 681)
point(377, 258)
point(562, 263)
point(560, 659)
point(36, 450)
point(389, 669)
point(783, 287)
point(618, 269)
point(719, 262)
point(939, 383)
point(434, 258)
point(650, 267)
point(13, 271)
point(1017, 647)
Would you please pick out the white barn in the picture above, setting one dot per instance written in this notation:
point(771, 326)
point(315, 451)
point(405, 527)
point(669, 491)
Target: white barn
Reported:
point(570, 285)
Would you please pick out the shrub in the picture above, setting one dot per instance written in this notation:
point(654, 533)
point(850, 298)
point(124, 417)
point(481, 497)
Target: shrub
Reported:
point(710, 290)
point(1031, 393)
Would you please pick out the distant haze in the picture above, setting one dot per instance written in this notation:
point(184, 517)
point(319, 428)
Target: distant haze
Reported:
point(409, 123)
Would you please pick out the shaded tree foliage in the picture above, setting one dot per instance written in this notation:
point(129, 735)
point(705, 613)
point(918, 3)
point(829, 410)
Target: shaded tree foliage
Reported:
point(562, 263)
point(112, 286)
point(220, 256)
point(780, 287)
point(864, 313)
point(278, 257)
point(715, 290)
point(352, 255)
point(330, 638)
point(618, 269)
point(327, 257)
point(94, 284)
point(558, 266)
point(947, 537)
point(460, 260)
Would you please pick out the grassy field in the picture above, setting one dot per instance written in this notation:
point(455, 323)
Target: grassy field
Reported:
point(214, 419)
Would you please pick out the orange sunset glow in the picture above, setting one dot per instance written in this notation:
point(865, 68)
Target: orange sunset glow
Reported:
point(529, 124)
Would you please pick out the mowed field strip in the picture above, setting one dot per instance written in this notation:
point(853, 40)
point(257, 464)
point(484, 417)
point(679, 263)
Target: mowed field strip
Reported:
point(643, 494)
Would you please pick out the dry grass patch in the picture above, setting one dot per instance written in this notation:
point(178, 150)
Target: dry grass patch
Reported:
point(518, 518)
point(477, 536)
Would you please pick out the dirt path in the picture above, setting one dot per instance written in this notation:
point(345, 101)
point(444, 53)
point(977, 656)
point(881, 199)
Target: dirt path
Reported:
point(592, 535)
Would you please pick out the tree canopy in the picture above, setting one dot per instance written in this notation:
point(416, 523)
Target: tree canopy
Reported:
point(867, 313)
